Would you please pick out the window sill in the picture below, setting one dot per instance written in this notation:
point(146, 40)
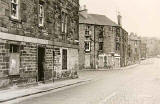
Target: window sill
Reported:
point(87, 51)
point(40, 25)
point(15, 19)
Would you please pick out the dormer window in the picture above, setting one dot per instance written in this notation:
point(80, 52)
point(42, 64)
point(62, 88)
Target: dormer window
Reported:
point(41, 14)
point(14, 9)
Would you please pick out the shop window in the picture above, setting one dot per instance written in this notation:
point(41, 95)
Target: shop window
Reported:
point(14, 48)
point(14, 9)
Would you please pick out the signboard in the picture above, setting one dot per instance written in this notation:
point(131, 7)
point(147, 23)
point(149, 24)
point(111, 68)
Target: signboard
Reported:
point(14, 64)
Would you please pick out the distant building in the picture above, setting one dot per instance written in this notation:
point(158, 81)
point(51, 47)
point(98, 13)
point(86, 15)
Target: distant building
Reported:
point(101, 41)
point(153, 46)
point(143, 50)
point(134, 49)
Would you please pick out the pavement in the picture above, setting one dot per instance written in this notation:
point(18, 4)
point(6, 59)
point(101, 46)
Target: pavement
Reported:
point(17, 92)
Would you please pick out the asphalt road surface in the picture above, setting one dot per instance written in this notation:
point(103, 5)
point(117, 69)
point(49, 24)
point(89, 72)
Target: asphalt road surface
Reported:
point(136, 85)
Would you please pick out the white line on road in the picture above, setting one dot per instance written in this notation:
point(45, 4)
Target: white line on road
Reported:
point(108, 98)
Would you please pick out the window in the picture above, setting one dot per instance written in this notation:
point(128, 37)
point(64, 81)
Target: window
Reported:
point(117, 39)
point(117, 46)
point(136, 50)
point(88, 31)
point(41, 14)
point(64, 22)
point(14, 48)
point(14, 9)
point(135, 43)
point(101, 34)
point(87, 46)
point(100, 46)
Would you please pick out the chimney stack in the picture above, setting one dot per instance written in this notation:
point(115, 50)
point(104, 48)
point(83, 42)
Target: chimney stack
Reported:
point(119, 17)
point(84, 11)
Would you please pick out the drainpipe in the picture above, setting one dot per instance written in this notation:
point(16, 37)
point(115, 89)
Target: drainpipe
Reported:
point(94, 49)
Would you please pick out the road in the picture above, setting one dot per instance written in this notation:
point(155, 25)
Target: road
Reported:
point(137, 85)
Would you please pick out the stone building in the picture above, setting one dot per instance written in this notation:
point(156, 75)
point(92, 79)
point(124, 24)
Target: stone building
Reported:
point(122, 45)
point(152, 45)
point(37, 39)
point(143, 50)
point(134, 49)
point(101, 41)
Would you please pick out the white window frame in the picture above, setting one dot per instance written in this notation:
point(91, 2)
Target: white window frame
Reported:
point(15, 2)
point(64, 22)
point(41, 14)
point(89, 47)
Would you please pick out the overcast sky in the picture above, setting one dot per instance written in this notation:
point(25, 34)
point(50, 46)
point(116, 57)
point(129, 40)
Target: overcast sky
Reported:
point(139, 16)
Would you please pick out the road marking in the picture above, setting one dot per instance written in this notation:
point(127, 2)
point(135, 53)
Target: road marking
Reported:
point(108, 98)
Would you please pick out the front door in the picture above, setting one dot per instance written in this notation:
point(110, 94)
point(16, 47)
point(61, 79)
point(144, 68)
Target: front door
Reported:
point(41, 63)
point(64, 59)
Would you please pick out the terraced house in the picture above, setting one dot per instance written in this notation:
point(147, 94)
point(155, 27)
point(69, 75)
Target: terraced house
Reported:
point(103, 43)
point(38, 38)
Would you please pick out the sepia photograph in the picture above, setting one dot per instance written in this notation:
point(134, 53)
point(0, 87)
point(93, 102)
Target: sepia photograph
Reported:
point(79, 52)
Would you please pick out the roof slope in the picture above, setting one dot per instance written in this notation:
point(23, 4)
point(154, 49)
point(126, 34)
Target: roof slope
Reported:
point(97, 19)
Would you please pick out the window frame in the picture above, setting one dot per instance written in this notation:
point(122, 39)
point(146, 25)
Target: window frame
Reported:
point(14, 48)
point(41, 14)
point(101, 43)
point(64, 22)
point(88, 31)
point(89, 46)
point(16, 16)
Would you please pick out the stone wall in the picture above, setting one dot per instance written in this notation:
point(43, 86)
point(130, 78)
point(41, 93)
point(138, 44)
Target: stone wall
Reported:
point(92, 55)
point(28, 25)
point(72, 59)
point(81, 46)
point(4, 63)
point(28, 62)
point(49, 62)
point(109, 40)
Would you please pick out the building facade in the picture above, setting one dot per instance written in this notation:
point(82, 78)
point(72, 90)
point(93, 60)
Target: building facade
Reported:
point(122, 45)
point(143, 50)
point(103, 43)
point(134, 49)
point(152, 45)
point(38, 40)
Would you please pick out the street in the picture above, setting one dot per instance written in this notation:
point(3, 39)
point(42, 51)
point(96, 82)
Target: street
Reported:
point(136, 85)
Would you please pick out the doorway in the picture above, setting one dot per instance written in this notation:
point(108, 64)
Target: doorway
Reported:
point(64, 59)
point(41, 63)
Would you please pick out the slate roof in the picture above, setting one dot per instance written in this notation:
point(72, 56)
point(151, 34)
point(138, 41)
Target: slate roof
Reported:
point(96, 19)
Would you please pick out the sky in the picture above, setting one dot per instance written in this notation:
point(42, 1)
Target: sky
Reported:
point(139, 16)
